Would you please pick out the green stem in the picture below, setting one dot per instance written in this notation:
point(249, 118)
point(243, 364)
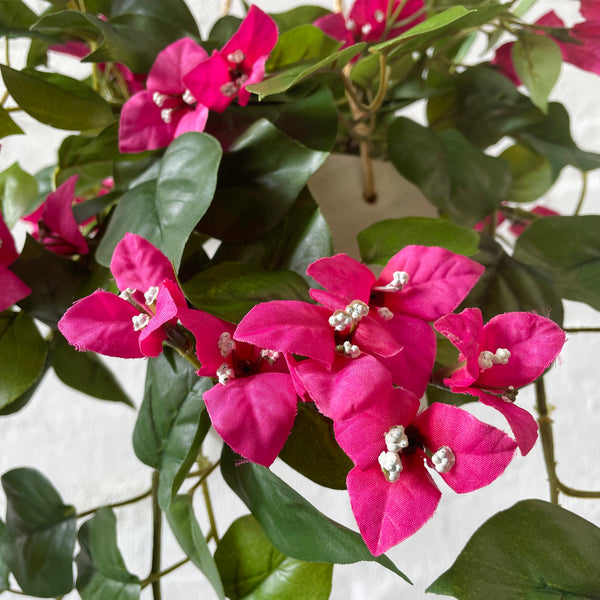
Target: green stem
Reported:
point(209, 510)
point(156, 539)
point(582, 329)
point(583, 192)
point(115, 504)
point(18, 592)
point(203, 476)
point(155, 577)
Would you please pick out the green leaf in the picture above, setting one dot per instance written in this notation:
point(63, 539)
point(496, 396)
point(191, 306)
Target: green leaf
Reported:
point(4, 570)
point(312, 450)
point(18, 193)
point(379, 242)
point(188, 534)
point(39, 538)
point(252, 569)
point(509, 285)
point(15, 18)
point(85, 372)
point(537, 60)
point(293, 525)
point(7, 125)
point(230, 290)
point(533, 550)
point(300, 15)
point(172, 421)
point(166, 211)
point(57, 100)
point(22, 355)
point(568, 248)
point(101, 571)
point(82, 25)
point(259, 180)
point(531, 174)
point(454, 175)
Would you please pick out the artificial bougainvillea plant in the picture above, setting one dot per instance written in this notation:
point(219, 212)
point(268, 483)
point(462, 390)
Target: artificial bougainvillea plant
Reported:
point(176, 227)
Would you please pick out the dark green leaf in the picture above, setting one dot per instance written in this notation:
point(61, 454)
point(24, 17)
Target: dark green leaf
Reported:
point(7, 125)
point(223, 29)
point(444, 396)
point(85, 372)
point(300, 15)
point(531, 174)
point(293, 525)
point(230, 290)
point(15, 18)
point(18, 192)
point(534, 550)
point(54, 281)
point(172, 421)
point(311, 449)
point(379, 242)
point(101, 571)
point(22, 355)
point(39, 538)
point(187, 532)
point(252, 569)
point(4, 571)
point(166, 211)
point(72, 22)
point(57, 100)
point(509, 285)
point(569, 249)
point(259, 180)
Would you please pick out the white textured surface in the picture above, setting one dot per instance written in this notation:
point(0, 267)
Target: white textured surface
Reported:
point(84, 446)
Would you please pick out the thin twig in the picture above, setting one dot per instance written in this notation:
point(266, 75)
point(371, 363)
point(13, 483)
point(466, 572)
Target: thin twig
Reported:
point(156, 538)
point(209, 510)
point(203, 476)
point(579, 206)
point(226, 8)
point(338, 6)
point(155, 577)
point(582, 329)
point(115, 504)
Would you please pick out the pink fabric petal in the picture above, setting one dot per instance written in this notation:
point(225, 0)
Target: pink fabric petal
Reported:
point(12, 289)
point(192, 120)
point(256, 75)
point(292, 327)
point(482, 452)
point(503, 61)
point(205, 82)
point(8, 251)
point(388, 513)
point(254, 415)
point(373, 337)
point(153, 335)
point(349, 386)
point(334, 25)
point(586, 54)
point(363, 13)
point(343, 276)
point(137, 264)
point(102, 323)
point(590, 10)
point(438, 282)
point(331, 301)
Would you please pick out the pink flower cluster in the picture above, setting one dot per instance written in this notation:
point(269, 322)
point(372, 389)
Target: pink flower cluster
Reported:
point(364, 354)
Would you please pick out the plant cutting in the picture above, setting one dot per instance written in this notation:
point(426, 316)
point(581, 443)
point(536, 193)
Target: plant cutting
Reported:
point(179, 225)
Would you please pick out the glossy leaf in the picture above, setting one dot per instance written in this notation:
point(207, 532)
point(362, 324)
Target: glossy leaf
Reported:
point(568, 248)
point(7, 125)
point(531, 174)
point(532, 550)
point(4, 571)
point(188, 534)
point(85, 372)
point(293, 525)
point(252, 569)
point(57, 100)
point(172, 421)
point(18, 192)
point(260, 178)
point(101, 571)
point(300, 15)
point(79, 24)
point(537, 60)
point(230, 290)
point(39, 538)
point(165, 211)
point(311, 449)
point(22, 355)
point(15, 18)
point(379, 242)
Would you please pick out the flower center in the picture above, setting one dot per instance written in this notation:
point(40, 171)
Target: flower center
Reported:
point(169, 103)
point(443, 460)
point(399, 280)
point(344, 322)
point(488, 359)
point(396, 440)
point(147, 309)
point(379, 16)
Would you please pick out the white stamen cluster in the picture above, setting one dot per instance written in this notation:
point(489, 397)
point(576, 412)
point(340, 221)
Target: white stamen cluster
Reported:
point(150, 295)
point(236, 57)
point(399, 280)
point(165, 114)
point(443, 460)
point(385, 313)
point(350, 25)
point(389, 461)
point(352, 314)
point(396, 439)
point(271, 356)
point(158, 99)
point(366, 29)
point(188, 97)
point(225, 374)
point(379, 16)
point(140, 321)
point(488, 359)
point(226, 344)
point(127, 294)
point(348, 349)
point(339, 320)
point(229, 89)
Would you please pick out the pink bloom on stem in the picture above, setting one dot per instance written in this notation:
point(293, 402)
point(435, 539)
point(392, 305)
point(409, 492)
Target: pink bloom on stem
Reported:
point(216, 81)
point(135, 323)
point(495, 360)
point(418, 285)
point(366, 21)
point(395, 449)
point(12, 289)
point(54, 224)
point(518, 226)
point(253, 405)
point(154, 117)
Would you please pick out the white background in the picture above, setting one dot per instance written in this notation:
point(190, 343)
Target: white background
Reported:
point(83, 445)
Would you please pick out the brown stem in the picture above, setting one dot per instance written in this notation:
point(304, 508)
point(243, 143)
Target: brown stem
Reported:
point(582, 329)
point(115, 504)
point(209, 510)
point(155, 577)
point(226, 8)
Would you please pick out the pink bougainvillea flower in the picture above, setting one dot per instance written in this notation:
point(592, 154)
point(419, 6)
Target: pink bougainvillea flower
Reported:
point(339, 376)
point(495, 360)
point(216, 81)
point(366, 21)
point(12, 289)
point(518, 226)
point(135, 323)
point(53, 222)
point(418, 285)
point(394, 448)
point(253, 405)
point(152, 118)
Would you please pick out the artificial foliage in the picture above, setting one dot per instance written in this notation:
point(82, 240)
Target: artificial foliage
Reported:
point(177, 227)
